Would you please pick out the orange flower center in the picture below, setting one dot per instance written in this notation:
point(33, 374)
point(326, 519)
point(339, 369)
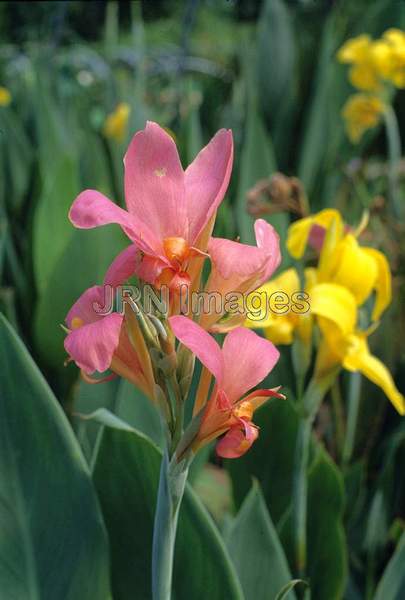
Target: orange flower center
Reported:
point(244, 410)
point(176, 249)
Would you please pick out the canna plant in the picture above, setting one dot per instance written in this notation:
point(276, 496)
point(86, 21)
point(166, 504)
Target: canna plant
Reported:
point(347, 291)
point(169, 221)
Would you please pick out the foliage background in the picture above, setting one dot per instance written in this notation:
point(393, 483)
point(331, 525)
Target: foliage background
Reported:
point(266, 69)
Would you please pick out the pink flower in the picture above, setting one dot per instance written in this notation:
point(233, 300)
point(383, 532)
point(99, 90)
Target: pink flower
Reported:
point(168, 208)
point(244, 361)
point(239, 269)
point(97, 342)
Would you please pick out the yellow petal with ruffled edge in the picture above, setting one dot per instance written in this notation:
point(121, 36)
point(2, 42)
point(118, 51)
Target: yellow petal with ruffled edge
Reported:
point(358, 358)
point(382, 284)
point(299, 231)
point(357, 269)
point(335, 303)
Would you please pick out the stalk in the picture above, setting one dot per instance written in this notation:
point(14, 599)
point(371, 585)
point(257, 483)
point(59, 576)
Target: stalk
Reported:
point(394, 157)
point(352, 416)
point(172, 482)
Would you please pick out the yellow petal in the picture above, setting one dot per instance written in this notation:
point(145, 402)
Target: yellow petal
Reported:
point(328, 256)
point(335, 303)
point(299, 231)
point(382, 283)
point(357, 268)
point(280, 330)
point(358, 358)
point(327, 359)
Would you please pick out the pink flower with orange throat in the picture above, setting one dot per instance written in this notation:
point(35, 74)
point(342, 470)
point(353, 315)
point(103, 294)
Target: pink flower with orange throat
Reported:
point(244, 360)
point(168, 209)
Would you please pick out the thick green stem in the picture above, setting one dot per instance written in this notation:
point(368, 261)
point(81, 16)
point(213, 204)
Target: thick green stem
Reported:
point(352, 416)
point(394, 157)
point(172, 482)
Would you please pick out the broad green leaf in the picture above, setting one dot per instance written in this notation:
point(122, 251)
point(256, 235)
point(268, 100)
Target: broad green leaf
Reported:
point(53, 542)
point(126, 476)
point(271, 458)
point(327, 560)
point(256, 551)
point(392, 583)
point(82, 264)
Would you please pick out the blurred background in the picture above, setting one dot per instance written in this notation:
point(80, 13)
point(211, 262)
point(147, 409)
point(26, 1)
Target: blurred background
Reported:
point(79, 78)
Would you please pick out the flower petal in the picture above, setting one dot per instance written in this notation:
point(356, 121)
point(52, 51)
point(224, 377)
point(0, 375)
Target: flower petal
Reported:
point(237, 441)
point(336, 303)
point(123, 266)
point(93, 209)
point(358, 358)
point(248, 358)
point(201, 343)
point(268, 241)
point(87, 308)
point(154, 183)
point(206, 181)
point(92, 346)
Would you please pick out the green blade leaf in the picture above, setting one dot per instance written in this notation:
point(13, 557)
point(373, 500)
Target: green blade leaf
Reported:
point(283, 593)
point(53, 542)
point(392, 583)
point(126, 476)
point(256, 551)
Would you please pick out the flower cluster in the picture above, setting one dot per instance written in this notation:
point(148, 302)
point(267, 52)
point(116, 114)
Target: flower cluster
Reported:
point(169, 220)
point(376, 66)
point(349, 282)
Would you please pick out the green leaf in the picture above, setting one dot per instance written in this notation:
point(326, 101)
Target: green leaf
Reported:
point(327, 560)
point(392, 583)
point(126, 476)
point(283, 593)
point(271, 458)
point(256, 550)
point(53, 542)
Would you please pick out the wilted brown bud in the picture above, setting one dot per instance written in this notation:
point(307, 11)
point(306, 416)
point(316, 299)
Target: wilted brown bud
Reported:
point(277, 193)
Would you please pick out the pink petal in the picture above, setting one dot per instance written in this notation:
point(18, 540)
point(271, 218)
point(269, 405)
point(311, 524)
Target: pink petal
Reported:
point(268, 241)
point(201, 343)
point(237, 441)
point(248, 359)
point(154, 183)
point(232, 258)
point(92, 346)
point(206, 181)
point(85, 308)
point(93, 209)
point(123, 266)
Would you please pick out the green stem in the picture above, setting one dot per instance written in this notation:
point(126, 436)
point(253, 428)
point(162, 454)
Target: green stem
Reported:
point(172, 482)
point(309, 405)
point(301, 493)
point(352, 416)
point(394, 157)
point(339, 418)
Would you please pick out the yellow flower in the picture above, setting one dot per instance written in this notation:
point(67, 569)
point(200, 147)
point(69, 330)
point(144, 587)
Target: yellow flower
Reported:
point(392, 61)
point(5, 96)
point(115, 126)
point(358, 52)
point(362, 112)
point(279, 310)
point(343, 344)
point(362, 270)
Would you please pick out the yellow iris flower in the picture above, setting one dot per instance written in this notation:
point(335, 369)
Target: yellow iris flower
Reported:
point(116, 123)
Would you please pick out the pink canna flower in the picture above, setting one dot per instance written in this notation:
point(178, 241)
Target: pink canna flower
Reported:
point(97, 342)
point(240, 268)
point(168, 209)
point(244, 361)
